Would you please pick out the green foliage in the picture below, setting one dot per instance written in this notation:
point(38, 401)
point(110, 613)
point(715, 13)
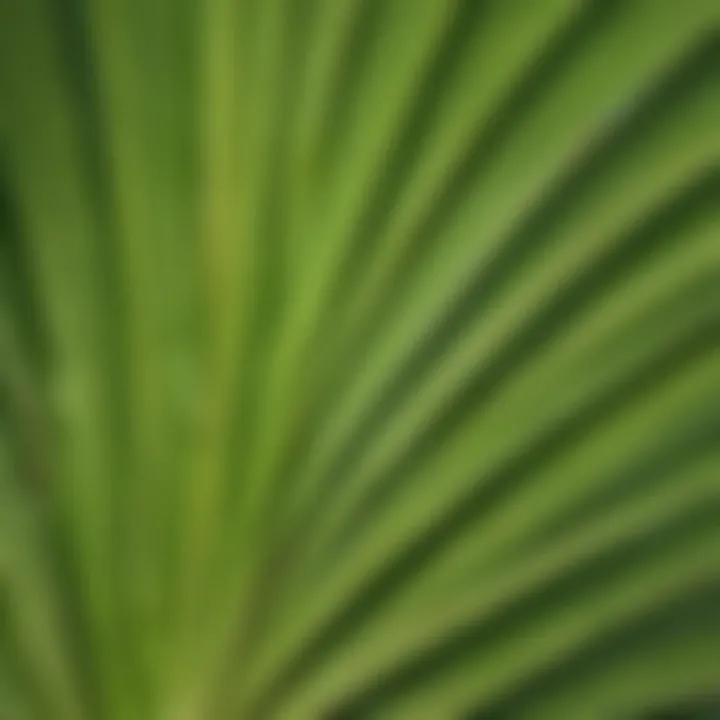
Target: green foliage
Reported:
point(359, 358)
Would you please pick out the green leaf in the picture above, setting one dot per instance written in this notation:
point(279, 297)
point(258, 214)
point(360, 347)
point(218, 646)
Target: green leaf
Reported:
point(359, 359)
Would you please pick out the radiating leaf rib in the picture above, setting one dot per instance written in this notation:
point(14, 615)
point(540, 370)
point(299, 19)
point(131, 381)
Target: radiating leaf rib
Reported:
point(620, 697)
point(660, 592)
point(59, 221)
point(280, 28)
point(642, 653)
point(34, 647)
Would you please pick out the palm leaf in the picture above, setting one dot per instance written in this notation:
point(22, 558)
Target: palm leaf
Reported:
point(359, 359)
